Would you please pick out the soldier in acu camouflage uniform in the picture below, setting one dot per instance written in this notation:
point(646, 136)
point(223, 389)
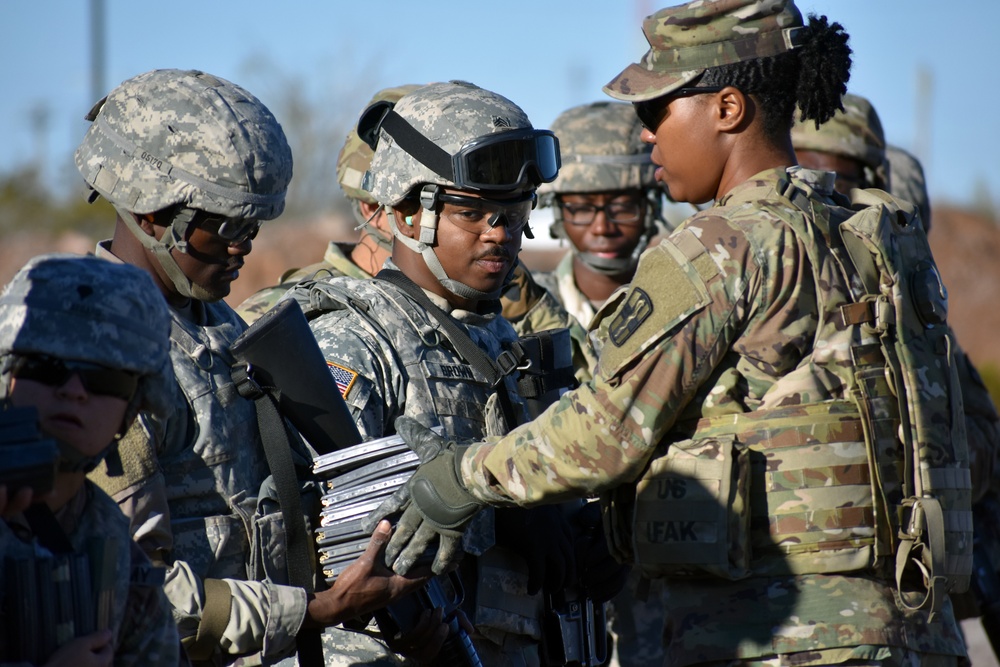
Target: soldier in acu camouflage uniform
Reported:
point(456, 167)
point(82, 342)
point(721, 376)
point(606, 201)
point(193, 164)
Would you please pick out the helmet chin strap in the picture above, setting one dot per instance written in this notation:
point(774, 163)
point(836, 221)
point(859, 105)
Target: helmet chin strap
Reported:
point(428, 235)
point(174, 233)
point(616, 266)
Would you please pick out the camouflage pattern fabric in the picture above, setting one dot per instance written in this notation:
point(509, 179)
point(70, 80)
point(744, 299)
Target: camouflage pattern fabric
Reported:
point(171, 137)
point(687, 39)
point(448, 114)
point(141, 624)
point(716, 315)
point(531, 308)
point(391, 359)
point(108, 309)
point(562, 283)
point(190, 490)
point(906, 181)
point(336, 262)
point(637, 625)
point(854, 132)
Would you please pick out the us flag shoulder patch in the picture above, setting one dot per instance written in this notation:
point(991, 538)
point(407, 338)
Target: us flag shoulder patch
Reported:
point(344, 377)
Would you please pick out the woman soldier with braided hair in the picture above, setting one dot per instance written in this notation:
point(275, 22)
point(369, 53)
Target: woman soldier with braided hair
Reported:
point(720, 428)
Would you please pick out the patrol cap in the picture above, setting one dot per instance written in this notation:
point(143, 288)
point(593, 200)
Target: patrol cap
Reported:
point(854, 132)
point(171, 137)
point(82, 308)
point(685, 40)
point(356, 156)
point(601, 150)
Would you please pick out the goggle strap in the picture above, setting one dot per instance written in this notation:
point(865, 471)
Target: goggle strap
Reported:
point(422, 149)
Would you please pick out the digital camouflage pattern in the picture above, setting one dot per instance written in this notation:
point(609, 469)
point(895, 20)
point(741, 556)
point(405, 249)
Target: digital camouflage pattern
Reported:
point(720, 319)
point(685, 40)
point(336, 262)
point(854, 132)
point(356, 156)
point(391, 358)
point(107, 308)
point(192, 501)
point(141, 624)
point(172, 136)
point(450, 115)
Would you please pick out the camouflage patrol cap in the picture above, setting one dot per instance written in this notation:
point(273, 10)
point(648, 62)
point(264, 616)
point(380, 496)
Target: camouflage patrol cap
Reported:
point(601, 150)
point(685, 40)
point(82, 308)
point(449, 115)
point(853, 132)
point(356, 156)
point(171, 137)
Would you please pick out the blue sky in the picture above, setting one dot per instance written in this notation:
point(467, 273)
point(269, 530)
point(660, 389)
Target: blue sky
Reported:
point(546, 55)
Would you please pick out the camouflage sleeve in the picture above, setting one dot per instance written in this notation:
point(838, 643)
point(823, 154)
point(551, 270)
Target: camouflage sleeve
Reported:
point(672, 328)
point(148, 635)
point(982, 427)
point(260, 302)
point(263, 616)
point(367, 372)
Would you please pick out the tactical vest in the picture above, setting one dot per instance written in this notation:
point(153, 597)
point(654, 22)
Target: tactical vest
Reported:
point(874, 481)
point(213, 472)
point(442, 390)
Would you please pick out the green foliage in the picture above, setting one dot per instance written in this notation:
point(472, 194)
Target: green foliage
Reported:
point(27, 205)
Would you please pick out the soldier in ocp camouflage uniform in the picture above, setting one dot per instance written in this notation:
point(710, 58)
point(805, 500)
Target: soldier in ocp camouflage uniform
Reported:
point(721, 375)
point(81, 341)
point(193, 164)
point(457, 224)
point(605, 201)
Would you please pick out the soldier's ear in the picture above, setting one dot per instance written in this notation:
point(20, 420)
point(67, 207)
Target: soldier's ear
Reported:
point(407, 223)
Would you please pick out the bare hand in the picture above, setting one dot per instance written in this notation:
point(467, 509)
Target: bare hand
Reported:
point(94, 650)
point(364, 586)
point(17, 503)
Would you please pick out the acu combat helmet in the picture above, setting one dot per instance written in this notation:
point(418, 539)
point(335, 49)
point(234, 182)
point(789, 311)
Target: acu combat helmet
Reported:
point(184, 141)
point(602, 151)
point(354, 161)
point(456, 135)
point(85, 309)
point(855, 132)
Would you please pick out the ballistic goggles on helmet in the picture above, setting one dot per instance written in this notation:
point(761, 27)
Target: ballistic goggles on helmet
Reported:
point(96, 379)
point(496, 162)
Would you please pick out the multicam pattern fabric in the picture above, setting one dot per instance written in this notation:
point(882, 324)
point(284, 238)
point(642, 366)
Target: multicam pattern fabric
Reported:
point(141, 623)
point(405, 365)
point(531, 308)
point(716, 316)
point(687, 39)
point(449, 114)
point(562, 284)
point(906, 181)
point(336, 262)
point(171, 136)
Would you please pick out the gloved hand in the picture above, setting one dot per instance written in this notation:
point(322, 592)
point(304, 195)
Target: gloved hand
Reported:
point(438, 505)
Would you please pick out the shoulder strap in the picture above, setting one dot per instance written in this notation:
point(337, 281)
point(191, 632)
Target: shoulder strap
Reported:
point(494, 371)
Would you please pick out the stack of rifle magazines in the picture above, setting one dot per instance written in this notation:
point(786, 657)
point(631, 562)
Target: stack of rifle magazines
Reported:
point(355, 481)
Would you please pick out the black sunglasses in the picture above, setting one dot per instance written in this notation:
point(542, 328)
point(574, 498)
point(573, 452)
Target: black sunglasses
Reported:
point(96, 379)
point(651, 112)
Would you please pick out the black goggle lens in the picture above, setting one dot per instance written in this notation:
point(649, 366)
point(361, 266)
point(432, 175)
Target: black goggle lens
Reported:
point(503, 163)
point(95, 378)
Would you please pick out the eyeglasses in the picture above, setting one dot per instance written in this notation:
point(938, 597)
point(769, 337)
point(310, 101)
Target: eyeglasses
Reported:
point(234, 231)
point(478, 216)
point(96, 379)
point(624, 213)
point(651, 112)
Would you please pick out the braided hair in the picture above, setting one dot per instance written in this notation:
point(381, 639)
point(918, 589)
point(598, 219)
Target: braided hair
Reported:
point(813, 76)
